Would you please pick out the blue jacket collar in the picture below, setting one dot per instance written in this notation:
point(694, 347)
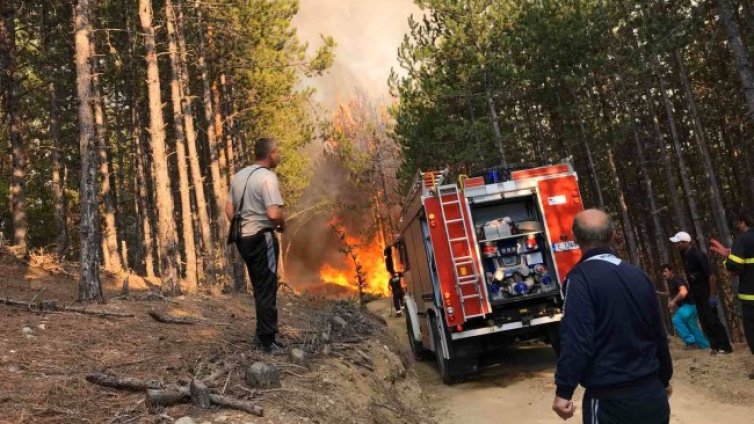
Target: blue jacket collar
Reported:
point(596, 251)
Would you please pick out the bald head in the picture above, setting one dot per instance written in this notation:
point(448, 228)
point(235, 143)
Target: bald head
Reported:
point(593, 228)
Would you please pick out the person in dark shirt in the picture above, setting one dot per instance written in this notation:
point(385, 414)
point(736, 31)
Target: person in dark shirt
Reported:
point(388, 255)
point(612, 339)
point(684, 317)
point(739, 261)
point(703, 287)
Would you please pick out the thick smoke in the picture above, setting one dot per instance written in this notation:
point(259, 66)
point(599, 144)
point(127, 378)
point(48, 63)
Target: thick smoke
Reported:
point(367, 34)
point(314, 243)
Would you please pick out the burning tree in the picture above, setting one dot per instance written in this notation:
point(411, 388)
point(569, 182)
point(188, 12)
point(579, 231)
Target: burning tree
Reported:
point(349, 249)
point(360, 141)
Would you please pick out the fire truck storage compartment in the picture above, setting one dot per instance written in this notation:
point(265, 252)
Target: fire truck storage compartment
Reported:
point(517, 263)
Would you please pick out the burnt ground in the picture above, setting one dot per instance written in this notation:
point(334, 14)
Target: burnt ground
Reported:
point(359, 376)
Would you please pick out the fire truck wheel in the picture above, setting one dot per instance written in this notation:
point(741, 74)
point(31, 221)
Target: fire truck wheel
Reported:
point(416, 347)
point(443, 364)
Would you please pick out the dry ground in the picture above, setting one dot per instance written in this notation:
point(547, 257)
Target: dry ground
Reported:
point(42, 373)
point(707, 389)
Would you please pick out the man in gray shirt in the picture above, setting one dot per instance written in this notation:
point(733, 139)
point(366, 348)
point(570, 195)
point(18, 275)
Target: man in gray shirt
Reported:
point(255, 192)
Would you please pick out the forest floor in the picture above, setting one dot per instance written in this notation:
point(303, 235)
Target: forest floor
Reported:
point(359, 375)
point(707, 389)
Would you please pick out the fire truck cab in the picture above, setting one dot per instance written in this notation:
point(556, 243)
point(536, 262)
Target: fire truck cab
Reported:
point(484, 262)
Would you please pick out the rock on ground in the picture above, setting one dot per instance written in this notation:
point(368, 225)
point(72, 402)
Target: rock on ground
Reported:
point(299, 357)
point(263, 376)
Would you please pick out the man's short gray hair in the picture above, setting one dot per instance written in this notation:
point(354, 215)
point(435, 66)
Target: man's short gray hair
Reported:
point(263, 147)
point(594, 232)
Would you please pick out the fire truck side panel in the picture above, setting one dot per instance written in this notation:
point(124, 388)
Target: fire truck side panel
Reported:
point(451, 302)
point(417, 271)
point(561, 201)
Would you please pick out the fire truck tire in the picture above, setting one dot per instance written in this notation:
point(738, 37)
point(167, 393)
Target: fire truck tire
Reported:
point(417, 348)
point(443, 364)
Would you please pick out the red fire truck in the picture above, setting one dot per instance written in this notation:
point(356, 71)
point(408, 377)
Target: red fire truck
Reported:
point(484, 262)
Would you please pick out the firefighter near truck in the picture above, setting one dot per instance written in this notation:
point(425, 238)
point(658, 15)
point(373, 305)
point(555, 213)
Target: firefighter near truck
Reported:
point(484, 260)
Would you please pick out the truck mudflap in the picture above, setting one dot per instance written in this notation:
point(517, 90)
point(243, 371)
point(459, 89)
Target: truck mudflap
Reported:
point(507, 327)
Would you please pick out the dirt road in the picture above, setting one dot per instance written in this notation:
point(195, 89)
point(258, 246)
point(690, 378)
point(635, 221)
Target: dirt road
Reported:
point(523, 389)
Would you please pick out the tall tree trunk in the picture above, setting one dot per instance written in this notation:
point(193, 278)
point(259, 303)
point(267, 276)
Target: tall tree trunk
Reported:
point(218, 111)
point(217, 179)
point(659, 234)
point(675, 200)
point(89, 280)
point(592, 168)
point(495, 125)
point(143, 199)
point(680, 162)
point(180, 153)
point(477, 142)
point(738, 46)
point(224, 137)
point(111, 256)
point(167, 238)
point(120, 182)
point(240, 154)
point(222, 158)
point(205, 228)
point(230, 136)
point(628, 228)
point(718, 209)
point(10, 73)
point(58, 189)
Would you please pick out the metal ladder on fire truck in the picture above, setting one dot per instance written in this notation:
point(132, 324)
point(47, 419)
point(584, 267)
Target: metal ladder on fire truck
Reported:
point(466, 259)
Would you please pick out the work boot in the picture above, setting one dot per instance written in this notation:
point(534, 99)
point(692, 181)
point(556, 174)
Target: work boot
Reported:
point(273, 349)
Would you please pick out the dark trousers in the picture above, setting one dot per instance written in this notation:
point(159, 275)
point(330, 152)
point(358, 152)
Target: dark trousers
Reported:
point(647, 406)
point(260, 252)
point(397, 290)
point(747, 312)
point(711, 324)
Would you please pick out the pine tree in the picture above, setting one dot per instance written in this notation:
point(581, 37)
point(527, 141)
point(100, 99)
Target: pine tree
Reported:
point(89, 282)
point(167, 237)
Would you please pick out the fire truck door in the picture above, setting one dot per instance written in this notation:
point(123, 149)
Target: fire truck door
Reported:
point(561, 201)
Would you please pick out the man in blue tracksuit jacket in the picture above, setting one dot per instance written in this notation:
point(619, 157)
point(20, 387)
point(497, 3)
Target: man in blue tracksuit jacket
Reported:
point(612, 337)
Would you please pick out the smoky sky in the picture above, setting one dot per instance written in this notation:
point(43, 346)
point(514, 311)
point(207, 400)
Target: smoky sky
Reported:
point(367, 34)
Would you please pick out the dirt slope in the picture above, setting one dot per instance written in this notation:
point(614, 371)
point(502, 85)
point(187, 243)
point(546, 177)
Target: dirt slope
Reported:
point(362, 378)
point(707, 389)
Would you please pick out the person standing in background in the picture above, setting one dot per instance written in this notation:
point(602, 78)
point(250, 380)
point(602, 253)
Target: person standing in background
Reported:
point(703, 286)
point(684, 316)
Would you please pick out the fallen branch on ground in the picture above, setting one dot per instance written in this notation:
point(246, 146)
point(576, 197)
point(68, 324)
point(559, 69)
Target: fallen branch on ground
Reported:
point(182, 394)
point(51, 306)
point(121, 383)
point(171, 319)
point(160, 397)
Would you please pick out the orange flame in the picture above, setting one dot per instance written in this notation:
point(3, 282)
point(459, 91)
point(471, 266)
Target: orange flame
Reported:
point(372, 263)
